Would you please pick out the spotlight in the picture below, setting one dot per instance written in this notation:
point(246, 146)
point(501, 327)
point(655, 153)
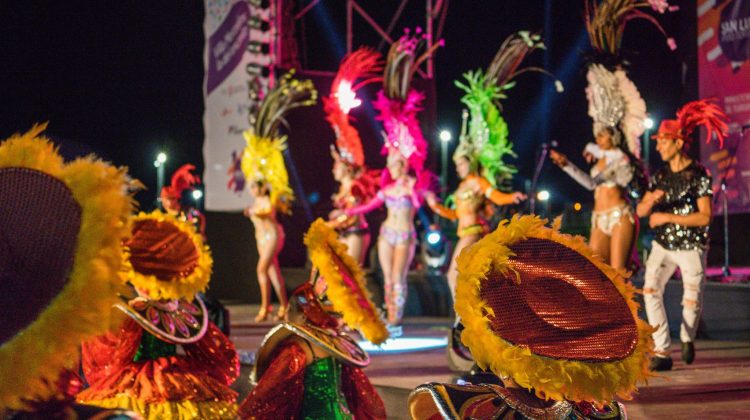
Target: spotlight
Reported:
point(161, 157)
point(197, 194)
point(434, 249)
point(445, 136)
point(543, 195)
point(256, 47)
point(434, 237)
point(648, 123)
point(577, 206)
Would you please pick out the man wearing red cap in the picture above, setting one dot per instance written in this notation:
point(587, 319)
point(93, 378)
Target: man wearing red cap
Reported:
point(679, 210)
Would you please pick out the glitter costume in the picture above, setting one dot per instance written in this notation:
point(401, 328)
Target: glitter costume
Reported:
point(516, 287)
point(358, 183)
point(60, 233)
point(139, 367)
point(676, 245)
point(309, 367)
point(398, 106)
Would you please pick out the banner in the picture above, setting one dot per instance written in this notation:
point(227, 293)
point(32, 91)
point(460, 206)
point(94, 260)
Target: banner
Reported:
point(235, 50)
point(724, 73)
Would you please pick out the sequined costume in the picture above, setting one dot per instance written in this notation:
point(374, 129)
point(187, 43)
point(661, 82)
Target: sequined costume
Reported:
point(309, 367)
point(556, 324)
point(676, 245)
point(60, 234)
point(681, 193)
point(138, 367)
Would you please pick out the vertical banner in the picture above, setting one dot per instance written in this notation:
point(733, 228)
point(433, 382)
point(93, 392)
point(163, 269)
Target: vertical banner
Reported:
point(724, 73)
point(226, 100)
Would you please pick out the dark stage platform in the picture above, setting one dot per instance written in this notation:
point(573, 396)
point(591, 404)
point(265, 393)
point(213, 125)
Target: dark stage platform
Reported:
point(715, 386)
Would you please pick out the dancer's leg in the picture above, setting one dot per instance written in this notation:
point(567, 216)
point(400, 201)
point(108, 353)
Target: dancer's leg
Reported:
point(265, 255)
point(385, 256)
point(621, 243)
point(599, 243)
point(452, 273)
point(403, 254)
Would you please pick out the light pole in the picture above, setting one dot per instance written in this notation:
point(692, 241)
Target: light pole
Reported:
point(161, 159)
point(445, 139)
point(648, 124)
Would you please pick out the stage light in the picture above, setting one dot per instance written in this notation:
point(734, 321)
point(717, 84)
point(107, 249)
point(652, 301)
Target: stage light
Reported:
point(257, 47)
point(263, 4)
point(648, 123)
point(577, 206)
point(254, 22)
point(161, 157)
point(197, 194)
point(445, 136)
point(543, 195)
point(404, 345)
point(346, 97)
point(434, 237)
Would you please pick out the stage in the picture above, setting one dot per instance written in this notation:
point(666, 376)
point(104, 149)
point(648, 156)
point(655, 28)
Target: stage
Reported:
point(716, 385)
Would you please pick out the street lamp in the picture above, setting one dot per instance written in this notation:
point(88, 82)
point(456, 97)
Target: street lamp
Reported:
point(161, 159)
point(648, 124)
point(542, 195)
point(197, 195)
point(445, 139)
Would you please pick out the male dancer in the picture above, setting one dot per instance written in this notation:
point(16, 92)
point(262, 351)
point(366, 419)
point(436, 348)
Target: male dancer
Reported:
point(679, 210)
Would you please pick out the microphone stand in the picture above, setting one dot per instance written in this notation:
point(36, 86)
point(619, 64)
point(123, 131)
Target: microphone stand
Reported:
point(537, 170)
point(724, 202)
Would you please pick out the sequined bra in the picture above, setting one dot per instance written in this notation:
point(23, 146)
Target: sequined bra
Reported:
point(617, 172)
point(397, 202)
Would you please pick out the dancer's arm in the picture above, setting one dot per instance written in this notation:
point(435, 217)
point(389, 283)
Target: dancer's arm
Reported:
point(439, 208)
point(700, 218)
point(643, 209)
point(575, 172)
point(498, 197)
point(371, 205)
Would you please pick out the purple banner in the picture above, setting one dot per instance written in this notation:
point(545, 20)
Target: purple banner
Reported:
point(226, 46)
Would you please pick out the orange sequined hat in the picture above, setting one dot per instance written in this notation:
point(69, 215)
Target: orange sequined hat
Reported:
point(540, 308)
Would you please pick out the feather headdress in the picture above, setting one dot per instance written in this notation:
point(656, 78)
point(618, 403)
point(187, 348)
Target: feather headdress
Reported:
point(263, 159)
point(182, 179)
point(398, 103)
point(606, 21)
point(703, 112)
point(363, 65)
point(486, 142)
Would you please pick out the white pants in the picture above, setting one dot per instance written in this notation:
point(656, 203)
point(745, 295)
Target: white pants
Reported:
point(660, 266)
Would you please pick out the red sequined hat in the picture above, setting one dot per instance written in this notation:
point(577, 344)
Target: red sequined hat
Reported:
point(540, 308)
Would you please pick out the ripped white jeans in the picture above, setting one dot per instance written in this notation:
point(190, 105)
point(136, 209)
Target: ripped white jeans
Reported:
point(660, 266)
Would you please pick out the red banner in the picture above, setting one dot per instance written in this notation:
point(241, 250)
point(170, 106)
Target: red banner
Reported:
point(724, 73)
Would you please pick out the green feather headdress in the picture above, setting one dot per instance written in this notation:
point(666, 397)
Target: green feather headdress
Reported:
point(485, 141)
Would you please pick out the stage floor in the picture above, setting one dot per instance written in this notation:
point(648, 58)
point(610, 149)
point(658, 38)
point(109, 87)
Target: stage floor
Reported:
point(715, 386)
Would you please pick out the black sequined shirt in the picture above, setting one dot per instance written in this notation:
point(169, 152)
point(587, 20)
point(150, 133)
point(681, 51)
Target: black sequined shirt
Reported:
point(681, 193)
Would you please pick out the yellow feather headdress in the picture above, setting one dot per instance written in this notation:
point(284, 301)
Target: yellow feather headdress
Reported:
point(540, 307)
point(346, 285)
point(263, 159)
point(32, 360)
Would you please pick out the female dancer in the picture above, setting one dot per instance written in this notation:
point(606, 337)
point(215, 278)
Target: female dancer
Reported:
point(480, 152)
point(618, 112)
point(357, 183)
point(268, 184)
point(400, 191)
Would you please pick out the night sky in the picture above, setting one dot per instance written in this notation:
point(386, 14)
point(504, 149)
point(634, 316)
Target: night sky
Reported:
point(124, 79)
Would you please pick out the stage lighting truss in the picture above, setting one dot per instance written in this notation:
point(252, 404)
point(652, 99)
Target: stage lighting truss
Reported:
point(262, 61)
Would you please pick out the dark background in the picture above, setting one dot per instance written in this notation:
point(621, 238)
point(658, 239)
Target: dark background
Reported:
point(124, 80)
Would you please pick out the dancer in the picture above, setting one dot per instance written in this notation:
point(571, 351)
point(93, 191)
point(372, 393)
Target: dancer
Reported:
point(618, 112)
point(679, 210)
point(174, 202)
point(60, 235)
point(309, 367)
point(516, 287)
point(268, 184)
point(481, 150)
point(139, 368)
point(357, 183)
point(400, 191)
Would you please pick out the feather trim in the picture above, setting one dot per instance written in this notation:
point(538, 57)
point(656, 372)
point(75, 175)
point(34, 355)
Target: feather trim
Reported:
point(351, 300)
point(32, 361)
point(556, 379)
point(179, 288)
point(706, 113)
